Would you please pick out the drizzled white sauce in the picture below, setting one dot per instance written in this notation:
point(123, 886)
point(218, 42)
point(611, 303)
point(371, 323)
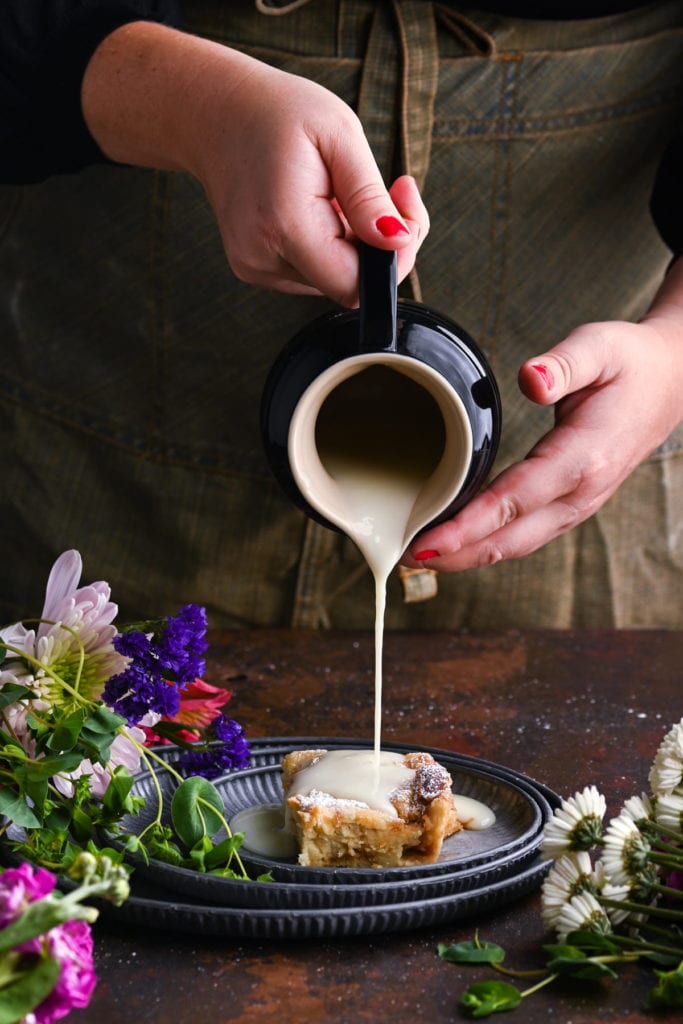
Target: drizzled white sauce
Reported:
point(352, 775)
point(380, 464)
point(265, 831)
point(473, 814)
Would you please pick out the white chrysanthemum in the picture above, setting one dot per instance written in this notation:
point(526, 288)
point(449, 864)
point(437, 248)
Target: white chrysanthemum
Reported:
point(666, 773)
point(582, 913)
point(577, 825)
point(82, 630)
point(618, 915)
point(123, 752)
point(639, 808)
point(670, 810)
point(625, 851)
point(570, 875)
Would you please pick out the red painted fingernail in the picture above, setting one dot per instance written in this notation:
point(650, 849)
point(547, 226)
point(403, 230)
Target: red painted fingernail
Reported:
point(545, 373)
point(390, 226)
point(422, 556)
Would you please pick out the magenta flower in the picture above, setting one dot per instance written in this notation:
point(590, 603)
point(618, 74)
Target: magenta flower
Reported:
point(70, 943)
point(21, 886)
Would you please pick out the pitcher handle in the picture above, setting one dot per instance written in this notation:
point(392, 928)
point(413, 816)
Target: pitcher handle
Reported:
point(378, 296)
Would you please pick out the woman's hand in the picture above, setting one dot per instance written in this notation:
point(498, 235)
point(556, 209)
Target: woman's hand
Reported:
point(618, 391)
point(284, 162)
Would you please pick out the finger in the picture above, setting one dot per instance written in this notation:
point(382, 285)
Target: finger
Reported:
point(551, 473)
point(406, 195)
point(516, 539)
point(585, 358)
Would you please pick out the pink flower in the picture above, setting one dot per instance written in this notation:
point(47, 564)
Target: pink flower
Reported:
point(21, 886)
point(82, 624)
point(199, 704)
point(71, 944)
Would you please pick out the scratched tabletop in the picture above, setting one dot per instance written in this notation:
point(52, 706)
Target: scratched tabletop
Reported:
point(566, 708)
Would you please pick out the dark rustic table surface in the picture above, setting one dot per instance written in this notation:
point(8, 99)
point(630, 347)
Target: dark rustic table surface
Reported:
point(566, 708)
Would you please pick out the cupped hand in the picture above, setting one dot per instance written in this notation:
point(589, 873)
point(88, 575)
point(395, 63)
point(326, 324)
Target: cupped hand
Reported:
point(617, 394)
point(292, 180)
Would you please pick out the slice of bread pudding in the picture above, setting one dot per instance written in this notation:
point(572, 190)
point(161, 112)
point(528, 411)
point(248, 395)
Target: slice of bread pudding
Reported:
point(344, 814)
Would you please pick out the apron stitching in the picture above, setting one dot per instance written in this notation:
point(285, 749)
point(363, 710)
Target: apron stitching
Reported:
point(498, 233)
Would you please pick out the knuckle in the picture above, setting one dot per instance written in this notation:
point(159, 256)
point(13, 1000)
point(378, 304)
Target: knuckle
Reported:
point(490, 553)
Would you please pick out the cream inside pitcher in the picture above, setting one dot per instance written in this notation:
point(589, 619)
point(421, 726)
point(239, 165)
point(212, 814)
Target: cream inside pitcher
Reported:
point(380, 444)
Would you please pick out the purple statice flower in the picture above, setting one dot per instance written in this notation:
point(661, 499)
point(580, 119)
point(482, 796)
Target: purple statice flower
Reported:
point(182, 645)
point(69, 943)
point(135, 692)
point(159, 664)
point(138, 646)
point(230, 753)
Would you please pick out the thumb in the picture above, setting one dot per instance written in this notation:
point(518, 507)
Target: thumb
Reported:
point(582, 360)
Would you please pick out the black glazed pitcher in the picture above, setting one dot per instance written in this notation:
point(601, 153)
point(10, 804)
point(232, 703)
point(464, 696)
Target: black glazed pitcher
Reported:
point(397, 380)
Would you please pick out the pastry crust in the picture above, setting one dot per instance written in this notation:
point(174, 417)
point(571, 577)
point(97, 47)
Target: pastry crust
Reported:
point(334, 832)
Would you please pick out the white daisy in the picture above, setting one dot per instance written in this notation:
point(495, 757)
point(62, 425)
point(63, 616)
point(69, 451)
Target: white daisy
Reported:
point(666, 773)
point(639, 808)
point(618, 893)
point(577, 825)
point(670, 810)
point(625, 850)
point(582, 913)
point(77, 646)
point(570, 874)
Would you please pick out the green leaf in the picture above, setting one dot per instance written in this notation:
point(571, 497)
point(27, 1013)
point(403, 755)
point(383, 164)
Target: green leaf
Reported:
point(222, 853)
point(67, 731)
point(581, 967)
point(191, 818)
point(590, 942)
point(172, 731)
point(12, 692)
point(487, 997)
point(164, 851)
point(668, 992)
point(58, 818)
point(81, 824)
point(473, 951)
point(199, 852)
point(102, 720)
point(39, 917)
point(116, 796)
point(11, 751)
point(46, 767)
point(13, 806)
point(29, 990)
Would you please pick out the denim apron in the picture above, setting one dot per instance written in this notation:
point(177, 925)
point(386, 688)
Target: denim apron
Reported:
point(134, 360)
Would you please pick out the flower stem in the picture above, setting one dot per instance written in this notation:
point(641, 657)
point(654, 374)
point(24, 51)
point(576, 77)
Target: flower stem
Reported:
point(672, 833)
point(668, 890)
point(643, 947)
point(535, 988)
point(640, 908)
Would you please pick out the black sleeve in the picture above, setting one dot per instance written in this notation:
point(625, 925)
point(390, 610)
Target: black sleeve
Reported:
point(45, 46)
point(667, 197)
